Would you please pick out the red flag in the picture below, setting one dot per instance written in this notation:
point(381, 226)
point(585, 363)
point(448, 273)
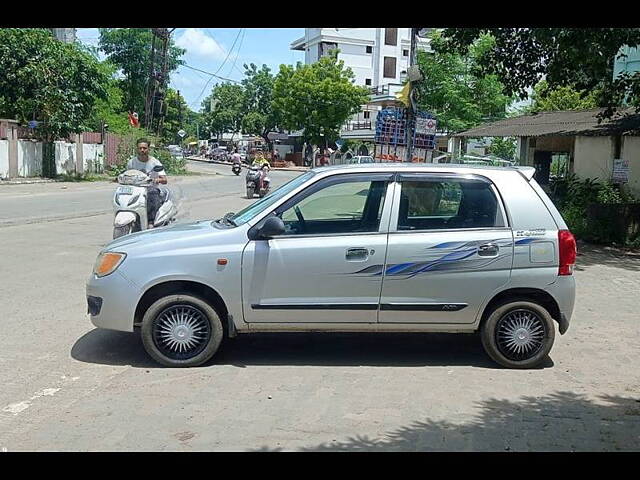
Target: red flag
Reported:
point(133, 120)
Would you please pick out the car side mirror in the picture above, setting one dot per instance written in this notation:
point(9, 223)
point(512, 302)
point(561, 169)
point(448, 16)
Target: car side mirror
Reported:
point(158, 168)
point(271, 227)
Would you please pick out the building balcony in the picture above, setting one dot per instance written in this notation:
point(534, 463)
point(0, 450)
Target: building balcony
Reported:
point(358, 129)
point(299, 44)
point(384, 95)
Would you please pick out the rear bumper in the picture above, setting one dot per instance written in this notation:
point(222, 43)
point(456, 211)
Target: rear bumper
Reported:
point(563, 290)
point(564, 324)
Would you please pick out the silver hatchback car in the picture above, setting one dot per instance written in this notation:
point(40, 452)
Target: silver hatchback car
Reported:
point(366, 248)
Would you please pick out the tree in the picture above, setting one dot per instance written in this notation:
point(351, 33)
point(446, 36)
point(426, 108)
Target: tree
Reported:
point(318, 98)
point(109, 110)
point(504, 148)
point(259, 116)
point(54, 83)
point(454, 89)
point(546, 99)
point(227, 112)
point(179, 116)
point(581, 58)
point(129, 49)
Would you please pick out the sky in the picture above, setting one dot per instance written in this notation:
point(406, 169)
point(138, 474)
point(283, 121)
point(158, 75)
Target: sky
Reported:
point(222, 51)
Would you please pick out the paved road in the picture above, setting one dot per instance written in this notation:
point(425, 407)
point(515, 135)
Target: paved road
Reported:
point(55, 201)
point(67, 386)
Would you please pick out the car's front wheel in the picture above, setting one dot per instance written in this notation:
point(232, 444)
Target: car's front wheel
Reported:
point(518, 334)
point(181, 331)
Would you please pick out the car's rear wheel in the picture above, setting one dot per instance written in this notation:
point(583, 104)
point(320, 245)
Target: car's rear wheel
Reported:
point(181, 331)
point(518, 334)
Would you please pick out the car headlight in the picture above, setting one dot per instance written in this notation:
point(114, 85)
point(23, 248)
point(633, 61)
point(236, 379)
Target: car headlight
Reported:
point(107, 263)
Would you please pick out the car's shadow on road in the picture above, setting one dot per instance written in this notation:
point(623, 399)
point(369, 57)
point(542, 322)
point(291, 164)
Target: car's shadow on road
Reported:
point(304, 349)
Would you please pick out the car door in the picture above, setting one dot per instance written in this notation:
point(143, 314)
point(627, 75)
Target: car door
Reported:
point(318, 271)
point(450, 248)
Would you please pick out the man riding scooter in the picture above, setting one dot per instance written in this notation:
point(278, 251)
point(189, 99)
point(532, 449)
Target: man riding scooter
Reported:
point(236, 159)
point(146, 163)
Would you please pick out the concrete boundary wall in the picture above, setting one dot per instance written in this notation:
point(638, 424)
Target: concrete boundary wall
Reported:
point(65, 157)
point(4, 158)
point(29, 158)
point(93, 157)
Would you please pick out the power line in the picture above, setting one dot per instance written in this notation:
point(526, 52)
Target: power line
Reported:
point(237, 52)
point(209, 73)
point(230, 50)
point(217, 71)
point(238, 70)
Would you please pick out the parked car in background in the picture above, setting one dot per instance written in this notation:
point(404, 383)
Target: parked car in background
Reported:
point(361, 159)
point(175, 150)
point(367, 248)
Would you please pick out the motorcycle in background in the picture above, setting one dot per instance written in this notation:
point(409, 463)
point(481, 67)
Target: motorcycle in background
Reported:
point(258, 181)
point(130, 204)
point(236, 168)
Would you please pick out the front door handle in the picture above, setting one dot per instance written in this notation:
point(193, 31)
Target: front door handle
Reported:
point(488, 250)
point(357, 254)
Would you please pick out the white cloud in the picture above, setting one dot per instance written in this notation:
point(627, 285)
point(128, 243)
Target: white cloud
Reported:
point(181, 81)
point(198, 43)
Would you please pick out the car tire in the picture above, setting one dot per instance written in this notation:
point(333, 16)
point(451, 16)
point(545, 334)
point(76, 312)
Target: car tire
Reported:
point(181, 330)
point(518, 334)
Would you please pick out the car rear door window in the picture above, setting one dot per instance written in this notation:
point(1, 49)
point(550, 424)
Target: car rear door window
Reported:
point(448, 203)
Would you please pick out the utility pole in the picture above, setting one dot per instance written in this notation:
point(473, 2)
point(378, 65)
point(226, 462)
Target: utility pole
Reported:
point(179, 112)
point(155, 108)
point(411, 112)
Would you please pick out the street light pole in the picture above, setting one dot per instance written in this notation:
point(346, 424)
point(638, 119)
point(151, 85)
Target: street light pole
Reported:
point(411, 114)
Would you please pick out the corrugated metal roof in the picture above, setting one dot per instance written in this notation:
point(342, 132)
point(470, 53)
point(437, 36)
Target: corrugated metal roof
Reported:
point(560, 123)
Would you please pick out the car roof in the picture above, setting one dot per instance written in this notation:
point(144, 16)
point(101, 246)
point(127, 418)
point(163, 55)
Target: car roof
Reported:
point(525, 171)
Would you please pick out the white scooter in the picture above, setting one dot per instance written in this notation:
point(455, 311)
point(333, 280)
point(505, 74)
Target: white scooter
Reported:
point(130, 204)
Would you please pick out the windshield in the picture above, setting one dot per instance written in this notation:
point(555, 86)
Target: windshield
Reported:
point(246, 214)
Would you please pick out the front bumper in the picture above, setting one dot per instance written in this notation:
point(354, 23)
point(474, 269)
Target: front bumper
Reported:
point(119, 298)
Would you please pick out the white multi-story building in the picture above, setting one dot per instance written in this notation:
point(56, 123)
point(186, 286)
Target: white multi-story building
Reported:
point(65, 35)
point(379, 58)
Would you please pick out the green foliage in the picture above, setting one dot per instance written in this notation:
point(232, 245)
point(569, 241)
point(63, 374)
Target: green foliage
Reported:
point(110, 109)
point(53, 82)
point(455, 89)
point(172, 165)
point(546, 99)
point(349, 145)
point(593, 210)
point(227, 112)
point(127, 149)
point(129, 50)
point(318, 98)
point(179, 116)
point(581, 58)
point(259, 116)
point(503, 147)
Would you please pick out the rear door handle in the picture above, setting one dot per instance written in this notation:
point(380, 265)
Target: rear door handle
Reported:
point(488, 250)
point(357, 254)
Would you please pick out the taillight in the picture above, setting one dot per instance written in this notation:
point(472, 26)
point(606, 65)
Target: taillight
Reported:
point(568, 251)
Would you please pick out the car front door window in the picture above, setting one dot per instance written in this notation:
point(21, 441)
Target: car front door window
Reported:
point(339, 208)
